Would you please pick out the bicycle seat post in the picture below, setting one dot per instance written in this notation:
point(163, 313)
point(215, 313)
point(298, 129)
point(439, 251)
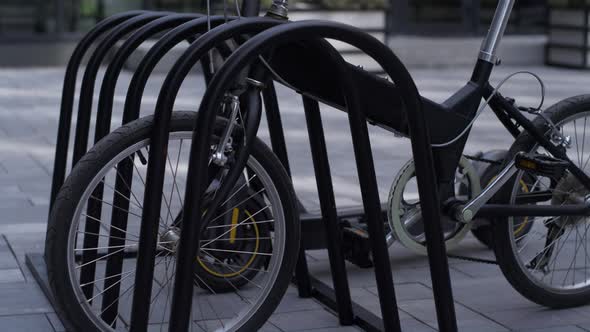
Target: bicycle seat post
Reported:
point(490, 44)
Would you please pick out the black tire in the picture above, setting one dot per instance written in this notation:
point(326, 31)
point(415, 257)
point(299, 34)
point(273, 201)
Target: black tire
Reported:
point(488, 172)
point(511, 268)
point(67, 201)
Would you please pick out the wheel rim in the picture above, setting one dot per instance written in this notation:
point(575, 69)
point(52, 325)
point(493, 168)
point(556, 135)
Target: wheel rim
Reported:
point(554, 254)
point(211, 309)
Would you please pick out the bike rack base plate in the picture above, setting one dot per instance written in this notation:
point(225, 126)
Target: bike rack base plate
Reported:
point(363, 318)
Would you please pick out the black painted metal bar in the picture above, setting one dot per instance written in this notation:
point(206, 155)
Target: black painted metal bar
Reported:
point(94, 207)
point(186, 31)
point(154, 182)
point(215, 90)
point(279, 147)
point(323, 177)
point(275, 125)
point(121, 202)
point(363, 318)
point(139, 80)
point(67, 98)
point(131, 111)
point(107, 90)
point(250, 8)
point(89, 79)
point(420, 144)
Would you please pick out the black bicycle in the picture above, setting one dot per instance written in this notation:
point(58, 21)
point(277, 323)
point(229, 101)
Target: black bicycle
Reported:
point(534, 203)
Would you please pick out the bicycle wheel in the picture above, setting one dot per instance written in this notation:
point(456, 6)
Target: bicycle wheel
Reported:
point(260, 249)
point(549, 263)
point(482, 229)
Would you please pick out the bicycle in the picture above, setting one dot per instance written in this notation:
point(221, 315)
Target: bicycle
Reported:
point(538, 185)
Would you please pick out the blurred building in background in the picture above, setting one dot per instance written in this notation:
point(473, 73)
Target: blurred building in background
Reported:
point(28, 27)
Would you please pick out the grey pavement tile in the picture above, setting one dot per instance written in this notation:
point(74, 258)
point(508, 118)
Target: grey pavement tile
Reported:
point(370, 302)
point(22, 243)
point(269, 327)
point(304, 320)
point(7, 259)
point(424, 311)
point(408, 291)
point(26, 323)
point(22, 298)
point(18, 203)
point(11, 276)
point(33, 214)
point(477, 270)
point(55, 322)
point(336, 329)
point(413, 325)
point(489, 294)
point(292, 302)
point(538, 317)
point(568, 328)
point(365, 277)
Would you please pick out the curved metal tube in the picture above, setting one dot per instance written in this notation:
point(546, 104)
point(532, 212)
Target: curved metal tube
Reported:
point(94, 208)
point(114, 263)
point(157, 161)
point(67, 98)
point(87, 89)
point(155, 54)
point(109, 81)
point(311, 30)
point(131, 112)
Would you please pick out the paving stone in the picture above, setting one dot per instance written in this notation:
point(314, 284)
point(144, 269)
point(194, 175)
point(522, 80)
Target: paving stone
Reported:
point(55, 322)
point(292, 302)
point(11, 276)
point(370, 302)
point(26, 323)
point(7, 259)
point(269, 327)
point(538, 317)
point(569, 328)
point(22, 298)
point(408, 291)
point(304, 320)
point(33, 214)
point(489, 294)
point(424, 311)
point(337, 329)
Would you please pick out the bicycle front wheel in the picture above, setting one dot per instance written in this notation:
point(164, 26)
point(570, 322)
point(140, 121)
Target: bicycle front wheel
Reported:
point(247, 252)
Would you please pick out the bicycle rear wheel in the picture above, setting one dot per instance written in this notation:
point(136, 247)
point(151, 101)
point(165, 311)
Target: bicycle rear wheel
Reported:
point(549, 264)
point(247, 253)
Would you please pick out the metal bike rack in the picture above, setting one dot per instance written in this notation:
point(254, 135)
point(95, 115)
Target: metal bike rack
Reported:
point(138, 26)
point(268, 34)
point(272, 38)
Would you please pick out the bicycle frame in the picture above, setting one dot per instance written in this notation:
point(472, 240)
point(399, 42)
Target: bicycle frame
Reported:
point(446, 120)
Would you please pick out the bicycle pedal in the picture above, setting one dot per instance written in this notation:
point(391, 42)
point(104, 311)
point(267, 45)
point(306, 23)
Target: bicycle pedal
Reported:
point(540, 164)
point(356, 247)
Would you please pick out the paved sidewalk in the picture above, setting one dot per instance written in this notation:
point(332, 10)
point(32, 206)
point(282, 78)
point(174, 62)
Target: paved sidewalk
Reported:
point(29, 109)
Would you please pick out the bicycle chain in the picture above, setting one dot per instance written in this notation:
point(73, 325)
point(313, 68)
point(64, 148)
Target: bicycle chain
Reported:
point(474, 259)
point(483, 160)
